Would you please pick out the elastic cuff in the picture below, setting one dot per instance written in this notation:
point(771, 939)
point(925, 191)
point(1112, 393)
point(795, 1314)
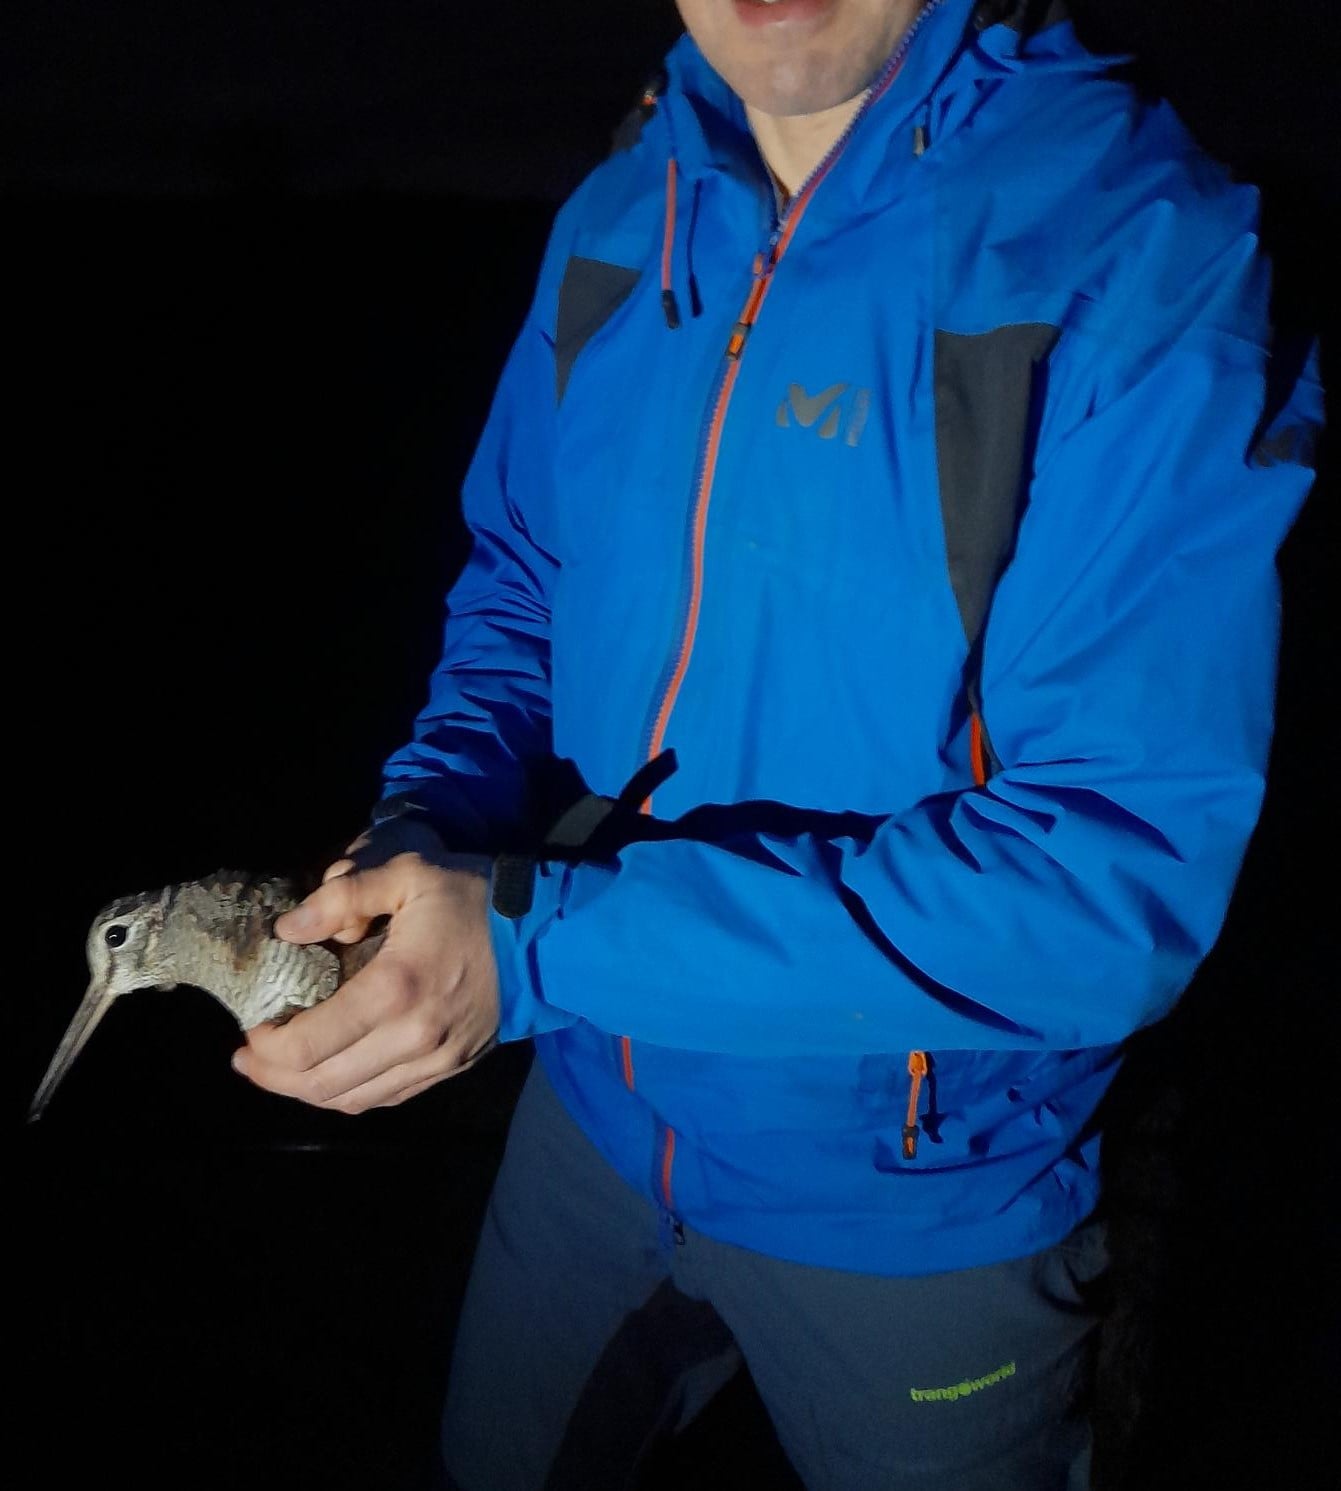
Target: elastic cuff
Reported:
point(521, 1010)
point(441, 805)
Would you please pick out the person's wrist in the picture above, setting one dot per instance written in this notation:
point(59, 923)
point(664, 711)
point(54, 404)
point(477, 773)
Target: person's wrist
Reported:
point(393, 822)
point(401, 810)
point(388, 838)
point(481, 865)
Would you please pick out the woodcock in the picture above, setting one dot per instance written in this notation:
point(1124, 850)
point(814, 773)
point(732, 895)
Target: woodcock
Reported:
point(215, 934)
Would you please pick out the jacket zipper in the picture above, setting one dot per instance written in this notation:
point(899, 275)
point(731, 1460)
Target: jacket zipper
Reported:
point(672, 677)
point(668, 686)
point(919, 1063)
point(667, 1161)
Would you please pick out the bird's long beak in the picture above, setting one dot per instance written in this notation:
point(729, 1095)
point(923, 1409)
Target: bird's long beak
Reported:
point(94, 1005)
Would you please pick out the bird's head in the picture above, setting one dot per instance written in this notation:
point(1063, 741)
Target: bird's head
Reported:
point(127, 949)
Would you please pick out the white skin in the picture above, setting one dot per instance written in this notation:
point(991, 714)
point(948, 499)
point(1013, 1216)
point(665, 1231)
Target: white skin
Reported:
point(426, 1007)
point(801, 79)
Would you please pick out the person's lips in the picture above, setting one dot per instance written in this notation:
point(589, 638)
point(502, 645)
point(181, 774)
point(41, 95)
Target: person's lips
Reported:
point(780, 12)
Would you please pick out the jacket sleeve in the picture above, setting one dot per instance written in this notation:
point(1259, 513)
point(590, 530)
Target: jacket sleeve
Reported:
point(1128, 679)
point(488, 712)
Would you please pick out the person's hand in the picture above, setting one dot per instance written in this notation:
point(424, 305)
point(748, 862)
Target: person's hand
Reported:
point(425, 1007)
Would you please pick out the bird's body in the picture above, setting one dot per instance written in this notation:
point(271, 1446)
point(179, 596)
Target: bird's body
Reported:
point(216, 934)
point(219, 933)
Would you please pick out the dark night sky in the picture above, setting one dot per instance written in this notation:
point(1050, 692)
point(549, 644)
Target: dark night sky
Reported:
point(512, 97)
point(502, 97)
point(263, 262)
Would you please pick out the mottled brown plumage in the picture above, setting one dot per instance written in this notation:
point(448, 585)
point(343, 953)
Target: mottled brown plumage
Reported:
point(215, 934)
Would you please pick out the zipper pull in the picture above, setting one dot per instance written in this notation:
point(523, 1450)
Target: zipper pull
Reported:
point(922, 131)
point(917, 1069)
point(740, 332)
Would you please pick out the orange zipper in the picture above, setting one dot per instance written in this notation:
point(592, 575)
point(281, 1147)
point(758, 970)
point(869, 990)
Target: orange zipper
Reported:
point(917, 1069)
point(626, 1060)
point(667, 1160)
point(978, 749)
point(918, 1064)
point(735, 347)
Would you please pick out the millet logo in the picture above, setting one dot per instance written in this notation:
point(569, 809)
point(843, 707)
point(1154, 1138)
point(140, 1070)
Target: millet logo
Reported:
point(838, 407)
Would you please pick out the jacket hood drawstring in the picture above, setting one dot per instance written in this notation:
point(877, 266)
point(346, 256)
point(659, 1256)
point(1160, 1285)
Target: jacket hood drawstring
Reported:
point(650, 102)
point(627, 136)
point(669, 304)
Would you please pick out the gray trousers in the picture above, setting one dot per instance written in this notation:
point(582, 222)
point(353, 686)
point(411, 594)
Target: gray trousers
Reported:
point(585, 1333)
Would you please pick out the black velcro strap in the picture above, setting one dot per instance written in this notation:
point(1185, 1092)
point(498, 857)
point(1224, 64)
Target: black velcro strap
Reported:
point(514, 885)
point(579, 828)
point(576, 825)
point(579, 825)
point(645, 781)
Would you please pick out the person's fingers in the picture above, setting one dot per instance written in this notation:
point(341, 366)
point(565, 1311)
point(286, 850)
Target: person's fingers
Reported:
point(423, 1008)
point(400, 1083)
point(389, 997)
point(415, 1088)
point(323, 1087)
point(368, 1074)
point(332, 872)
point(346, 934)
point(344, 905)
point(400, 1006)
point(413, 1091)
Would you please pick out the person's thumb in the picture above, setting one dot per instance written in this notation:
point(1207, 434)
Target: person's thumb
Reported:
point(342, 908)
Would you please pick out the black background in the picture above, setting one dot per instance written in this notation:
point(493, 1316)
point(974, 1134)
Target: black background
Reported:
point(262, 264)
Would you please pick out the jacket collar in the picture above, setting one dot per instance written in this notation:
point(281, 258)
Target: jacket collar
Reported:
point(963, 49)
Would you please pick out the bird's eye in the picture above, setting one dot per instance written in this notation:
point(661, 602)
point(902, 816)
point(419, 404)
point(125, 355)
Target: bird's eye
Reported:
point(115, 936)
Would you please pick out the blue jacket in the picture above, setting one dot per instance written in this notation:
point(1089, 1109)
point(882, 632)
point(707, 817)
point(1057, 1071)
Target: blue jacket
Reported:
point(933, 529)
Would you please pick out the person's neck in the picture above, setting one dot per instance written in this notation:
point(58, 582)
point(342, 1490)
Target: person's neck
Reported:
point(792, 146)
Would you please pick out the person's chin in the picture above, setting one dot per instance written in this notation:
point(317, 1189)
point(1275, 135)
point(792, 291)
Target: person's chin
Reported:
point(787, 90)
